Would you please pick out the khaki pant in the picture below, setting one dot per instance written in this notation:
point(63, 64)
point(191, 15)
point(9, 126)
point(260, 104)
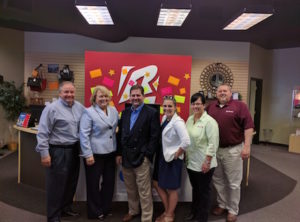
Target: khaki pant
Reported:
point(138, 187)
point(228, 177)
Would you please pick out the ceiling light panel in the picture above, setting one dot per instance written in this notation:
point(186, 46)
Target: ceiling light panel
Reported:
point(172, 17)
point(95, 15)
point(247, 20)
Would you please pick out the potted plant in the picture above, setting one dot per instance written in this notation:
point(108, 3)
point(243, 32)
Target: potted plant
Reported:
point(13, 102)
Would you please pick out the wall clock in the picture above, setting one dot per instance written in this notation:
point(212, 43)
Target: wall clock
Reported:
point(214, 75)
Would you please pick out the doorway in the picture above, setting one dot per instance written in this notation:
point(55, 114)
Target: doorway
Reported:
point(255, 105)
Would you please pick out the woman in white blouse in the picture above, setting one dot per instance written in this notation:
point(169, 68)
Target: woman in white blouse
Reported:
point(175, 140)
point(98, 145)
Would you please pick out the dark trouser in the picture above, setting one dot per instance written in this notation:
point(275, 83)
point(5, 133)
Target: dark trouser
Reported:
point(61, 179)
point(99, 198)
point(201, 191)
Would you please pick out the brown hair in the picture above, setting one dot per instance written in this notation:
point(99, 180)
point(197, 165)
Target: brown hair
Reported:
point(134, 87)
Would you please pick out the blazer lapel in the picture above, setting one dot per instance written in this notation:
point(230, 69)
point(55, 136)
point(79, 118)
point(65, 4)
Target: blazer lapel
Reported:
point(169, 125)
point(105, 118)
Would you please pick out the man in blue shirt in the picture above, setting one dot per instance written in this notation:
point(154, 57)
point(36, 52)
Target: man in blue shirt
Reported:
point(138, 136)
point(58, 144)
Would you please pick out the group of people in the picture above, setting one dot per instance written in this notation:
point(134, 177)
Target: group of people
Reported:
point(212, 143)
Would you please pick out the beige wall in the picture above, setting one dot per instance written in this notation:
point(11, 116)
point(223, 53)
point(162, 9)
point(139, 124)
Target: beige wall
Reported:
point(280, 71)
point(75, 61)
point(12, 55)
point(53, 47)
point(239, 70)
point(260, 67)
point(277, 68)
point(285, 76)
point(75, 44)
point(69, 49)
point(11, 65)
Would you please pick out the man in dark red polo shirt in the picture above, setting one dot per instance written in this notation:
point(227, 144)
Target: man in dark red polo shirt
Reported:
point(236, 129)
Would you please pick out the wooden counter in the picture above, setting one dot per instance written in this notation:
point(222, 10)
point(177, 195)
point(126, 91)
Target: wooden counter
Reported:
point(27, 130)
point(30, 171)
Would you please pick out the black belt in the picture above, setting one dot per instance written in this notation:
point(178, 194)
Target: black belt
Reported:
point(64, 146)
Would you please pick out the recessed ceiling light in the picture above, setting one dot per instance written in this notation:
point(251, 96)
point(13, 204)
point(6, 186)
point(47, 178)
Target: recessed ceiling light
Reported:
point(172, 17)
point(94, 14)
point(247, 19)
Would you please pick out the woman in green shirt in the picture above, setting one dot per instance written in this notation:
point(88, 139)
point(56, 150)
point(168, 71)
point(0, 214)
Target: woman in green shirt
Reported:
point(201, 157)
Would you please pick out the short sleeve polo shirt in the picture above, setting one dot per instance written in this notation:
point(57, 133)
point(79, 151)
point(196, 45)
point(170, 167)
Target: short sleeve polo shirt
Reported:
point(233, 119)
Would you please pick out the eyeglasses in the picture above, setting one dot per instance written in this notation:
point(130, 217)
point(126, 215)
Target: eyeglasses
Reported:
point(196, 104)
point(172, 98)
point(169, 97)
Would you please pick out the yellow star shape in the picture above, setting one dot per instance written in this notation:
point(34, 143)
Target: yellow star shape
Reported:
point(111, 72)
point(147, 74)
point(187, 76)
point(125, 96)
point(155, 84)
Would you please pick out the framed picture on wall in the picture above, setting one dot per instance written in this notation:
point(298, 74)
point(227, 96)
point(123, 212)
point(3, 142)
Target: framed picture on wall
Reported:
point(53, 68)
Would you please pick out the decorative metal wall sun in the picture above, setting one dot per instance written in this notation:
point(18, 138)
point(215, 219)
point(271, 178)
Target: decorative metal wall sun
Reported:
point(214, 75)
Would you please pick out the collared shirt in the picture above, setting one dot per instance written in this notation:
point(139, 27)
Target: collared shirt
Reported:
point(59, 125)
point(233, 119)
point(135, 114)
point(204, 135)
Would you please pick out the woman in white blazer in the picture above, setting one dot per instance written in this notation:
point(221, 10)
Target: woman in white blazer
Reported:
point(175, 140)
point(98, 145)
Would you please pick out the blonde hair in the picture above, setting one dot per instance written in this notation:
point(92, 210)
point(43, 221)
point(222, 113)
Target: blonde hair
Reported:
point(102, 89)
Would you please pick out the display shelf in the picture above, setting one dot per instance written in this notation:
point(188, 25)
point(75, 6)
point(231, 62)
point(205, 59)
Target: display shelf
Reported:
point(295, 110)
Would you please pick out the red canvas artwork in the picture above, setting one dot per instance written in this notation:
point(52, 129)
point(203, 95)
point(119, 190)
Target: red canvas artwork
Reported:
point(160, 75)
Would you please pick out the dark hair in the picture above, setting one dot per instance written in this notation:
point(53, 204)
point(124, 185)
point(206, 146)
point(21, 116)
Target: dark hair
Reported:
point(61, 84)
point(134, 87)
point(197, 96)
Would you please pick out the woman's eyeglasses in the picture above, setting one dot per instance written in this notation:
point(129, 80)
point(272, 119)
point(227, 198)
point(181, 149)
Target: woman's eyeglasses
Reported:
point(196, 104)
point(169, 97)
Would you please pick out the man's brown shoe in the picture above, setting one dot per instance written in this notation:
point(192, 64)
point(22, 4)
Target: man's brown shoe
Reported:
point(231, 218)
point(128, 217)
point(218, 211)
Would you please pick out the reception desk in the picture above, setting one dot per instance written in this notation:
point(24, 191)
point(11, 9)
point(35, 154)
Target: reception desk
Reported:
point(31, 172)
